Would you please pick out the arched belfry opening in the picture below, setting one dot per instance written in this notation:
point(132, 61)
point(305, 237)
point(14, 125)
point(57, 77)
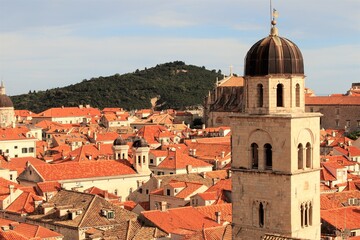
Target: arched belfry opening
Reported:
point(254, 156)
point(280, 95)
point(300, 156)
point(308, 155)
point(297, 95)
point(260, 94)
point(268, 156)
point(261, 215)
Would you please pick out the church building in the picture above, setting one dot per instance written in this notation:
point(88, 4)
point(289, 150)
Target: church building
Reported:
point(7, 112)
point(275, 147)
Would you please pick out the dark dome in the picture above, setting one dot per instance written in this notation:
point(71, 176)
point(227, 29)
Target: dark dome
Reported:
point(273, 55)
point(119, 141)
point(140, 143)
point(5, 101)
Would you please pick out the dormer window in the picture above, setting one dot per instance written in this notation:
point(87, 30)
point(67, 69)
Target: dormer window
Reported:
point(109, 214)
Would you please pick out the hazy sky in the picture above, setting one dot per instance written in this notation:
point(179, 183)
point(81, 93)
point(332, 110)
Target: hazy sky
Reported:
point(46, 44)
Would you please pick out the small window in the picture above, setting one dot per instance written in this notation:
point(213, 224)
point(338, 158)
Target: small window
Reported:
point(168, 192)
point(300, 156)
point(268, 155)
point(337, 111)
point(140, 190)
point(15, 147)
point(254, 156)
point(260, 92)
point(16, 155)
point(151, 161)
point(11, 177)
point(24, 150)
point(347, 123)
point(337, 122)
point(297, 90)
point(279, 95)
point(31, 150)
point(261, 215)
point(147, 191)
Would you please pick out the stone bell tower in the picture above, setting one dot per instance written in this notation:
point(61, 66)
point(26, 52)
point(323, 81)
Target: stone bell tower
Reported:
point(275, 147)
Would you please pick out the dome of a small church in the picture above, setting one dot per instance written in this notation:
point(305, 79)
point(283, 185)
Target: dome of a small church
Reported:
point(119, 141)
point(140, 143)
point(274, 55)
point(5, 101)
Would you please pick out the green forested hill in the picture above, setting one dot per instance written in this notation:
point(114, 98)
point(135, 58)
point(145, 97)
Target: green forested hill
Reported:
point(176, 84)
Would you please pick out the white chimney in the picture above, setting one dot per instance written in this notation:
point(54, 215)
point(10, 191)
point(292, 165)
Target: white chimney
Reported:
point(218, 217)
point(163, 206)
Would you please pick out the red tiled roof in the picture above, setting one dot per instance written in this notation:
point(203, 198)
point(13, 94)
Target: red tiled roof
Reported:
point(178, 160)
point(177, 220)
point(19, 164)
point(70, 112)
point(17, 133)
point(325, 175)
point(223, 184)
point(341, 218)
point(49, 186)
point(25, 203)
point(102, 193)
point(225, 209)
point(29, 231)
point(23, 113)
point(208, 195)
point(78, 170)
point(332, 100)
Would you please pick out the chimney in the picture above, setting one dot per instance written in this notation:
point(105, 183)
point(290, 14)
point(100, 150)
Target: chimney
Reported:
point(11, 192)
point(106, 195)
point(98, 146)
point(229, 173)
point(81, 106)
point(218, 217)
point(13, 124)
point(222, 154)
point(158, 183)
point(163, 206)
point(214, 181)
point(188, 169)
point(194, 153)
point(203, 126)
point(95, 136)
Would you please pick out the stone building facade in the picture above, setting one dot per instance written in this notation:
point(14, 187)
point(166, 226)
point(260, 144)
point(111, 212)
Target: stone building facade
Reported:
point(275, 147)
point(339, 111)
point(225, 100)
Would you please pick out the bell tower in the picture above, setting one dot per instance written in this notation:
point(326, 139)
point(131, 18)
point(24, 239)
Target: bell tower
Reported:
point(275, 147)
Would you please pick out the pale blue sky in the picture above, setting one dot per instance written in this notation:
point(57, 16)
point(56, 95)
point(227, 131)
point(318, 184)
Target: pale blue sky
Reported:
point(46, 44)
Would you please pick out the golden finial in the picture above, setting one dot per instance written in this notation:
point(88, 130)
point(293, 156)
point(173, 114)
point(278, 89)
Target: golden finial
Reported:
point(274, 16)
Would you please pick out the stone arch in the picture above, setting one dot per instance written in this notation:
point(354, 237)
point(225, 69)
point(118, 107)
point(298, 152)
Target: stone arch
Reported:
point(264, 144)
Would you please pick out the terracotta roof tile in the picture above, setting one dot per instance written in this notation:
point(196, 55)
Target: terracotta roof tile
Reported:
point(78, 170)
point(332, 100)
point(177, 220)
point(178, 160)
point(341, 218)
point(25, 203)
